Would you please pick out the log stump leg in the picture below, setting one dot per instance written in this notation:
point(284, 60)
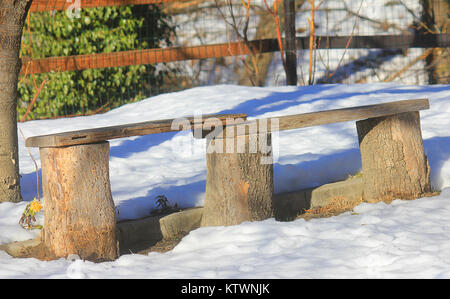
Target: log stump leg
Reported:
point(394, 163)
point(239, 184)
point(79, 213)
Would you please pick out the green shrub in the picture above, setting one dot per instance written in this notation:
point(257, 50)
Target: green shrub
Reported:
point(98, 30)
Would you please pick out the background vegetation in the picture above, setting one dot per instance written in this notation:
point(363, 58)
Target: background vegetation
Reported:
point(98, 30)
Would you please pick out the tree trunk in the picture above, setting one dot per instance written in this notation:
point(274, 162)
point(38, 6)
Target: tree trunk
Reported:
point(79, 213)
point(12, 18)
point(441, 56)
point(394, 164)
point(291, 47)
point(265, 29)
point(435, 18)
point(239, 186)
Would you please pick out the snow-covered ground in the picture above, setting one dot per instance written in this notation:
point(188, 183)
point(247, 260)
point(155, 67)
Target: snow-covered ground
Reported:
point(403, 239)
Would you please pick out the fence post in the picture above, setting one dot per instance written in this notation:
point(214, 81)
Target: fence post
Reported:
point(291, 49)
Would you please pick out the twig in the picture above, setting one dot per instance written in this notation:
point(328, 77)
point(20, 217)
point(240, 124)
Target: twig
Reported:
point(32, 101)
point(380, 23)
point(327, 64)
point(35, 165)
point(274, 13)
point(417, 18)
point(312, 38)
point(410, 64)
point(242, 37)
point(347, 45)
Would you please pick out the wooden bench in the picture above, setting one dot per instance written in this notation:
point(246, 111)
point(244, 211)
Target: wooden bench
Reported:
point(394, 165)
point(79, 214)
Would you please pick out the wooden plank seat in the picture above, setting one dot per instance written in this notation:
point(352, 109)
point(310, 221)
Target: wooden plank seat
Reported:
point(136, 129)
point(79, 211)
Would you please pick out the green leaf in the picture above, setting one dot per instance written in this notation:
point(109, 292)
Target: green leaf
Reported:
point(100, 30)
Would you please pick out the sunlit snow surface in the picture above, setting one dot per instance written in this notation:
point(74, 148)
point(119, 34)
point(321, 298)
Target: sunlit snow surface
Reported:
point(403, 239)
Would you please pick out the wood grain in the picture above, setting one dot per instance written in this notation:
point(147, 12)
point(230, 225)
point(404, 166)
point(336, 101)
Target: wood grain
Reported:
point(296, 121)
point(79, 214)
point(394, 164)
point(287, 122)
point(239, 185)
point(107, 133)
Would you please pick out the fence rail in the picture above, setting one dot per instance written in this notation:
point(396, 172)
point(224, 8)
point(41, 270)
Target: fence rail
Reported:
point(52, 5)
point(152, 56)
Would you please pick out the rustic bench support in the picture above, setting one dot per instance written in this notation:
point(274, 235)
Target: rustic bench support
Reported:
point(79, 213)
point(239, 184)
point(394, 163)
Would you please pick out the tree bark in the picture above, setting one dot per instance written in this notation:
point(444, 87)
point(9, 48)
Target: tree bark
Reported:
point(394, 164)
point(12, 18)
point(265, 29)
point(435, 18)
point(79, 213)
point(291, 47)
point(239, 185)
point(441, 57)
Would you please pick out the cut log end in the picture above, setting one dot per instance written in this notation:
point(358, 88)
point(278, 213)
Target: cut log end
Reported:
point(79, 213)
point(394, 163)
point(239, 184)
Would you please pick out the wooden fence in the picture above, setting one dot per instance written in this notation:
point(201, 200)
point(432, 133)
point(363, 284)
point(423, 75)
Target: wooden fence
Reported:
point(51, 5)
point(153, 56)
point(218, 44)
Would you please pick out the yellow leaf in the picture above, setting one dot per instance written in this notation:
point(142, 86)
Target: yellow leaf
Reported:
point(35, 206)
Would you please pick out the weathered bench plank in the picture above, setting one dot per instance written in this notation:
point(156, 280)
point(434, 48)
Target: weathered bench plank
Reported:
point(287, 122)
point(113, 132)
point(296, 121)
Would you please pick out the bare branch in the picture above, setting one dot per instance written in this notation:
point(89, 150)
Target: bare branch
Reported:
point(419, 20)
point(410, 64)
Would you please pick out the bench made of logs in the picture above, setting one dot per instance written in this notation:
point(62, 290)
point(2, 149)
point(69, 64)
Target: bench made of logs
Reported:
point(79, 214)
point(239, 185)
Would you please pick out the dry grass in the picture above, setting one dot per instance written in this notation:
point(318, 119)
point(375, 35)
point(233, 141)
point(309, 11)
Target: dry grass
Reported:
point(164, 245)
point(356, 175)
point(391, 197)
point(338, 205)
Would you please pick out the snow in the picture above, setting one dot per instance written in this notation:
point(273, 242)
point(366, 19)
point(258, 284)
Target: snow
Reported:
point(405, 239)
point(332, 18)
